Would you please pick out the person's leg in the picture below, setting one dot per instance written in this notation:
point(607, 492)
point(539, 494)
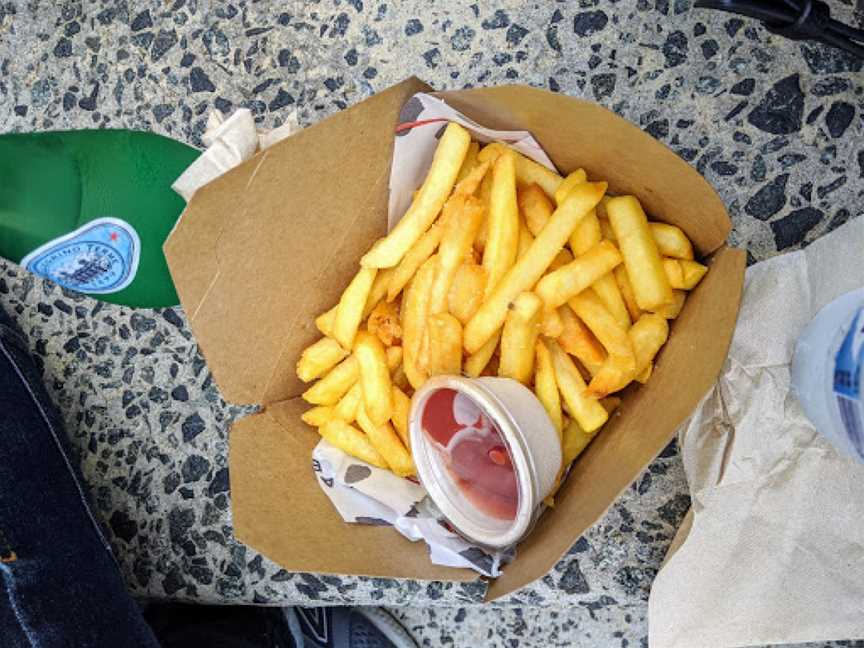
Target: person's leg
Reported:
point(59, 583)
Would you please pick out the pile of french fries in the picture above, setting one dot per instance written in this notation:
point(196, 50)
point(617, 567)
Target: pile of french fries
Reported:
point(499, 267)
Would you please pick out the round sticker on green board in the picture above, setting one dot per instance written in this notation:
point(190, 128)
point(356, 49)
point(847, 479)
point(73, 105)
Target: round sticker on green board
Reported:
point(91, 209)
point(98, 258)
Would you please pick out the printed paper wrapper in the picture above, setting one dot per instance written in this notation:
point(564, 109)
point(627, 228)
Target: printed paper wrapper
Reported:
point(365, 494)
point(771, 551)
point(421, 122)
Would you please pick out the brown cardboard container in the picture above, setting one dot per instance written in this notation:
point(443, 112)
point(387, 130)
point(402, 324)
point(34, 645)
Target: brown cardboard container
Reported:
point(270, 245)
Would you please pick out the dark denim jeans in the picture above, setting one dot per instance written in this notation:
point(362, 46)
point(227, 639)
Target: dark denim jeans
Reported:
point(59, 583)
point(60, 586)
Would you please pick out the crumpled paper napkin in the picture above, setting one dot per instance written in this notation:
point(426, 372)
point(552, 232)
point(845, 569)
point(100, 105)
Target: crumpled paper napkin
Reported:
point(773, 548)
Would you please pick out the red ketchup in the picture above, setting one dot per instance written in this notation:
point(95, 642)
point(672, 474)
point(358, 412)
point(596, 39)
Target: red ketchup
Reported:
point(473, 451)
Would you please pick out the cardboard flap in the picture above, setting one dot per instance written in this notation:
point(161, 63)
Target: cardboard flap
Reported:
point(279, 508)
point(645, 422)
point(578, 134)
point(262, 250)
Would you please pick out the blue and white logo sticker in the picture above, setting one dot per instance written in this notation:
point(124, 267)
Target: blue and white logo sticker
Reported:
point(98, 258)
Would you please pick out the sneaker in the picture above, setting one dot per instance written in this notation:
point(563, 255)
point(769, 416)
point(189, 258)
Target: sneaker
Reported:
point(346, 627)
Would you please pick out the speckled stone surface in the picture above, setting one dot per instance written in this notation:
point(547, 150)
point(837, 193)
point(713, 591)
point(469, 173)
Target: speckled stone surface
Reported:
point(775, 126)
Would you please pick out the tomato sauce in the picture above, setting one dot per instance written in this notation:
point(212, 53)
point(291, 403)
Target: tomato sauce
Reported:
point(473, 451)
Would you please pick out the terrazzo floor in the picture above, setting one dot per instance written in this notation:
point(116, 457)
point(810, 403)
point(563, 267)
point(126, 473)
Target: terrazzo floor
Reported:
point(775, 126)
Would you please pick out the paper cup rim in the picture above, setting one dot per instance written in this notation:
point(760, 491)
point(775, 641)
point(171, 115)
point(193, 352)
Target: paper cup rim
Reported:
point(524, 466)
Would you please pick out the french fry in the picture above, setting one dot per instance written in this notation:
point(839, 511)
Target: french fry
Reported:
point(319, 358)
point(318, 415)
point(346, 408)
point(551, 324)
point(469, 162)
point(647, 335)
point(445, 345)
point(384, 323)
point(671, 241)
point(415, 311)
point(575, 441)
point(561, 259)
point(351, 305)
point(627, 295)
point(325, 321)
point(503, 237)
point(530, 172)
point(586, 235)
point(524, 274)
point(401, 411)
point(527, 170)
point(374, 377)
point(671, 311)
point(423, 355)
point(485, 195)
point(477, 362)
point(462, 218)
point(585, 409)
point(692, 273)
point(620, 365)
point(491, 152)
point(674, 273)
point(333, 386)
point(411, 262)
point(545, 386)
point(645, 374)
point(578, 340)
point(519, 337)
point(535, 206)
point(351, 440)
point(607, 290)
point(448, 159)
point(378, 291)
point(470, 183)
point(562, 284)
point(466, 291)
point(577, 177)
point(394, 357)
point(385, 440)
point(641, 257)
point(525, 239)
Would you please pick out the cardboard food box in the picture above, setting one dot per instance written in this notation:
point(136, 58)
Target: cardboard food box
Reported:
point(264, 249)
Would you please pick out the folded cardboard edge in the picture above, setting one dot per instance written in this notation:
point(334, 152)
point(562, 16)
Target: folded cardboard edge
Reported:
point(638, 431)
point(233, 232)
point(270, 464)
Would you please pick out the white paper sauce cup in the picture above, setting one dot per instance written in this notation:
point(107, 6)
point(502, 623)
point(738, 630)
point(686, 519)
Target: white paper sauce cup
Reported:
point(487, 453)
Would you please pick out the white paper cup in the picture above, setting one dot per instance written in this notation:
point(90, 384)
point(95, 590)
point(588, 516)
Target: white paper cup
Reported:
point(531, 442)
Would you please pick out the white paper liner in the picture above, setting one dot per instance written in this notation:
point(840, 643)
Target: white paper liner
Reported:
point(421, 121)
point(365, 494)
